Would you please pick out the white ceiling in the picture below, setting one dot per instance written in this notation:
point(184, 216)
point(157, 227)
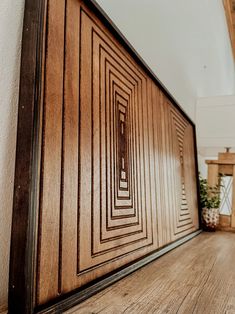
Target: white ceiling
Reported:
point(186, 44)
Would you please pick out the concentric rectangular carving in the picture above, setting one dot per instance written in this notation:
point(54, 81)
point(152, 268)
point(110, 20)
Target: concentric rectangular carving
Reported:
point(184, 216)
point(174, 170)
point(121, 211)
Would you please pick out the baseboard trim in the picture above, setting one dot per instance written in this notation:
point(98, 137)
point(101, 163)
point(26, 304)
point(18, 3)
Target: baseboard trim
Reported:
point(80, 295)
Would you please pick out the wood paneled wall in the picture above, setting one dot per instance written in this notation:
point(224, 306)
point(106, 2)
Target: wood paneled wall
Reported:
point(116, 172)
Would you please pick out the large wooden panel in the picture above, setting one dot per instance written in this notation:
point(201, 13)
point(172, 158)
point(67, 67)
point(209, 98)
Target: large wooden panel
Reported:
point(115, 173)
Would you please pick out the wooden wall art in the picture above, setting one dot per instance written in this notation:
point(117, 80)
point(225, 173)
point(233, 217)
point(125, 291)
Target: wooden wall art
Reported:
point(106, 166)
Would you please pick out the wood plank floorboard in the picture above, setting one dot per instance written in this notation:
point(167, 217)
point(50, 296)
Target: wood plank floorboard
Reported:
point(197, 277)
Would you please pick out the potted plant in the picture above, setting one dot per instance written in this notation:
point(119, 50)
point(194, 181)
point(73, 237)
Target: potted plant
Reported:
point(210, 203)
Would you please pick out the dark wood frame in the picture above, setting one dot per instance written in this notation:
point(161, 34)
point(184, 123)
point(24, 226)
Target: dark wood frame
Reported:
point(26, 188)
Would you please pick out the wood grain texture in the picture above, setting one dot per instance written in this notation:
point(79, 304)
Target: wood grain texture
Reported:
point(212, 175)
point(50, 194)
point(118, 158)
point(117, 166)
point(197, 277)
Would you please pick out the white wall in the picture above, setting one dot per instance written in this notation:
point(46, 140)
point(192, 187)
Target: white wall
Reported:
point(185, 42)
point(11, 16)
point(202, 167)
point(215, 124)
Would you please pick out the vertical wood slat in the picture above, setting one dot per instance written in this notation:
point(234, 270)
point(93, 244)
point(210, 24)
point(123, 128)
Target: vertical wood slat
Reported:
point(190, 166)
point(71, 177)
point(50, 198)
point(157, 143)
point(86, 153)
point(151, 121)
point(167, 173)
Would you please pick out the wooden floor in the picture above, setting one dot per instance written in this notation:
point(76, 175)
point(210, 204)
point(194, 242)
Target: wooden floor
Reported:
point(197, 277)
